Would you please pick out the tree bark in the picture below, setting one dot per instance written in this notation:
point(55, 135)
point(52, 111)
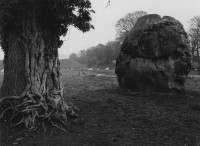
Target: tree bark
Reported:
point(32, 91)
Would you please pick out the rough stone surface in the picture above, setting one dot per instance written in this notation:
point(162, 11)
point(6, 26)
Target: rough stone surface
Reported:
point(154, 56)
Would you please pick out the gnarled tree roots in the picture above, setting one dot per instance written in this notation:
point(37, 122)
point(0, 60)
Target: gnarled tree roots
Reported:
point(35, 113)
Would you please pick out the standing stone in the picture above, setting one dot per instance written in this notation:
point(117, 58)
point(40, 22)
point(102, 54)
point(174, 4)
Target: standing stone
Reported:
point(154, 56)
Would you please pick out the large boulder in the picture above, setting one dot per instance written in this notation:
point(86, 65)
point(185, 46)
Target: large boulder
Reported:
point(154, 56)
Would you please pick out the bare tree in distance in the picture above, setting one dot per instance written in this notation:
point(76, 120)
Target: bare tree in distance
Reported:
point(125, 24)
point(194, 37)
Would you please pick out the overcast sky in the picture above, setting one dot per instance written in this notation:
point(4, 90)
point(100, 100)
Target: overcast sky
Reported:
point(105, 19)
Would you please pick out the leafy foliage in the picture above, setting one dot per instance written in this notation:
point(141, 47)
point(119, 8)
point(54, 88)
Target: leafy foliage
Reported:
point(52, 18)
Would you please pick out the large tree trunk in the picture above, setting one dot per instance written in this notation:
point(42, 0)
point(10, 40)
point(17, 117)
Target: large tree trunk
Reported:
point(32, 91)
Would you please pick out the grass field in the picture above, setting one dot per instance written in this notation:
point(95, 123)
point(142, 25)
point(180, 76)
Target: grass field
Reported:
point(114, 117)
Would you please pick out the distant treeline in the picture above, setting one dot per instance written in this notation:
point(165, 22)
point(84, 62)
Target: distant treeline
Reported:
point(102, 55)
point(99, 55)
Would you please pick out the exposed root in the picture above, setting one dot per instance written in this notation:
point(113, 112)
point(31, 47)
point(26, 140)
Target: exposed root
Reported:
point(32, 113)
point(41, 105)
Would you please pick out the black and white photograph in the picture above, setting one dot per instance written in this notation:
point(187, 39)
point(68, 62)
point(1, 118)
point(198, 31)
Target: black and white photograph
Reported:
point(99, 72)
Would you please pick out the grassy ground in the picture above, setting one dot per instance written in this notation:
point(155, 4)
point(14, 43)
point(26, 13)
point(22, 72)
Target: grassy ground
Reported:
point(113, 117)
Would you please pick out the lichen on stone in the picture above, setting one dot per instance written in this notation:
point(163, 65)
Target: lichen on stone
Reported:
point(154, 55)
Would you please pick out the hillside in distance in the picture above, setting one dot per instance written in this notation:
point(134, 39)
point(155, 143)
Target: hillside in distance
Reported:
point(65, 64)
point(71, 64)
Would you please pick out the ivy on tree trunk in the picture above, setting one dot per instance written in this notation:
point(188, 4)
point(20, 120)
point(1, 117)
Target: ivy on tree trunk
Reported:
point(31, 96)
point(32, 90)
